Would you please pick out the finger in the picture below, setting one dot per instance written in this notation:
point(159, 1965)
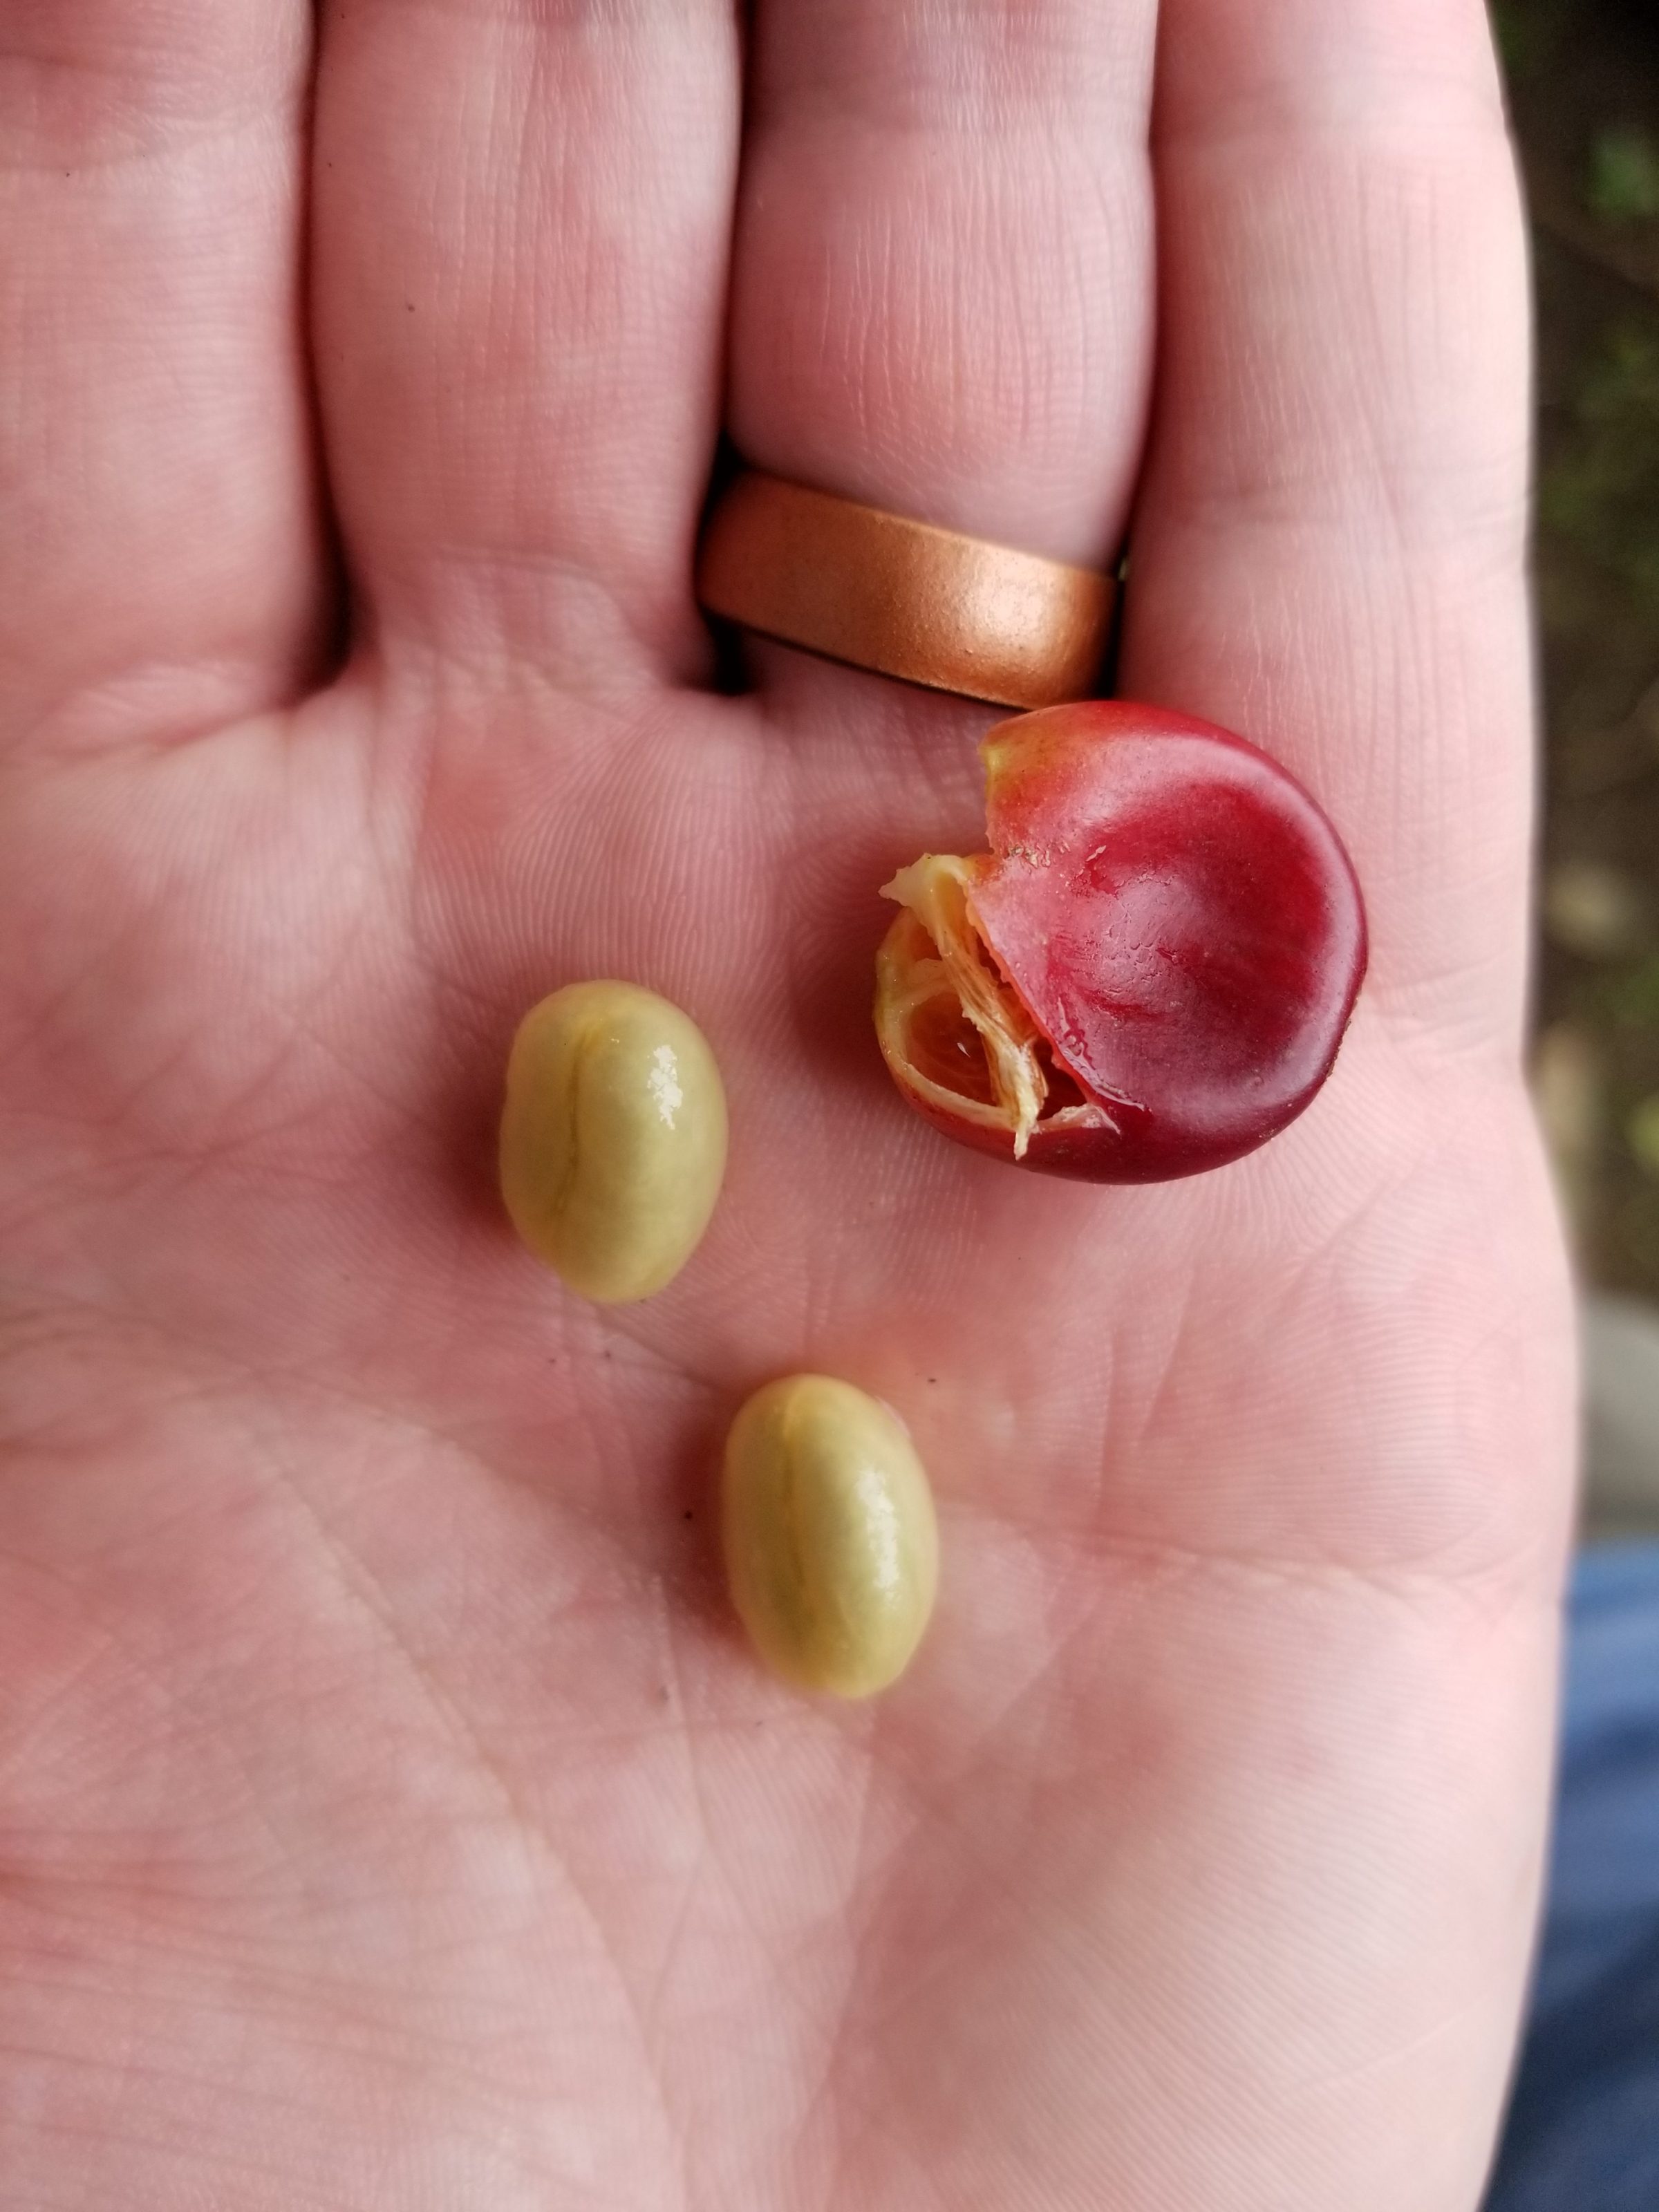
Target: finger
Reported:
point(523, 214)
point(1328, 548)
point(942, 295)
point(159, 553)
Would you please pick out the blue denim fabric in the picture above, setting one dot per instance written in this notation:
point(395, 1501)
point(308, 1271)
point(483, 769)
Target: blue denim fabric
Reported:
point(1583, 2134)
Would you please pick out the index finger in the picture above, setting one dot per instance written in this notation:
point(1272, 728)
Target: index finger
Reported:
point(1329, 553)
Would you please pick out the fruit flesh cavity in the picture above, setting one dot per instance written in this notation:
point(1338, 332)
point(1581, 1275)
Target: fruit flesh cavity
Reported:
point(965, 1034)
point(1149, 973)
point(946, 966)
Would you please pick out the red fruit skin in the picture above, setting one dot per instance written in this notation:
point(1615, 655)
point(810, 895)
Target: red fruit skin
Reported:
point(1181, 920)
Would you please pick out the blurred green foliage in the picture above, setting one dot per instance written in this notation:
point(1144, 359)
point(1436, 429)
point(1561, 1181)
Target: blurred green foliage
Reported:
point(1583, 81)
point(1600, 487)
point(1642, 1135)
point(1631, 999)
point(1527, 30)
point(1623, 180)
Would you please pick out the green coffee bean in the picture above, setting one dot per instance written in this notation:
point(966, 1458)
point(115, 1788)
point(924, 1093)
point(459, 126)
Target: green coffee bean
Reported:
point(613, 1139)
point(831, 1547)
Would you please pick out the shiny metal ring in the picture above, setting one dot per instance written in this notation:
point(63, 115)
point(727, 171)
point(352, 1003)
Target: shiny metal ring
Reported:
point(904, 598)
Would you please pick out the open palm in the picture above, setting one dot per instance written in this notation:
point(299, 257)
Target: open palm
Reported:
point(391, 1817)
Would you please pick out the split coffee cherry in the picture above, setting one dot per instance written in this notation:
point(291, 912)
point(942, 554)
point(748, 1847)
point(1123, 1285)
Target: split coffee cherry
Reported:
point(1148, 974)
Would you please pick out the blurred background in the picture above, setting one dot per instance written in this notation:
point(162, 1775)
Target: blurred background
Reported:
point(1584, 89)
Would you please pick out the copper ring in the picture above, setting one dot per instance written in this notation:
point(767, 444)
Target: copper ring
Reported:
point(905, 598)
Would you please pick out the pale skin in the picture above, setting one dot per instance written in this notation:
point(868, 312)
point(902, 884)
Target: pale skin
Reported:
point(392, 1815)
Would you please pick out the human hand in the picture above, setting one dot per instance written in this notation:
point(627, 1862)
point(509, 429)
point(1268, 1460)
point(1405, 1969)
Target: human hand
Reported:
point(389, 1816)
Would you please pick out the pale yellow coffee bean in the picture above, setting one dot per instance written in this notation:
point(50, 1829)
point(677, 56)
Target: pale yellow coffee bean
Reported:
point(613, 1138)
point(831, 1546)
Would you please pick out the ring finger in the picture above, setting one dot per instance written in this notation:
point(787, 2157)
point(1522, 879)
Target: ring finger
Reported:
point(943, 288)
